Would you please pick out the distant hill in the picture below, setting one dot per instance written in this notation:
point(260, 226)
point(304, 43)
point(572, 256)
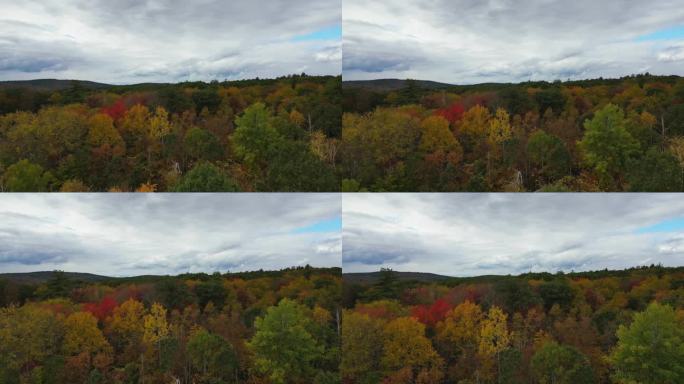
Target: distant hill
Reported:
point(55, 85)
point(389, 85)
point(52, 84)
point(386, 85)
point(34, 278)
point(43, 276)
point(373, 277)
point(367, 278)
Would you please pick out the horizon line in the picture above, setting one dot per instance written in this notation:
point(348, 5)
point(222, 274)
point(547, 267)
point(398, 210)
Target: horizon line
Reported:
point(2, 274)
point(257, 78)
point(528, 272)
point(633, 75)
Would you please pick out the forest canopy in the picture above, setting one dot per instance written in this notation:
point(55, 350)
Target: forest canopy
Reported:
point(270, 327)
point(250, 135)
point(592, 135)
point(290, 134)
point(594, 327)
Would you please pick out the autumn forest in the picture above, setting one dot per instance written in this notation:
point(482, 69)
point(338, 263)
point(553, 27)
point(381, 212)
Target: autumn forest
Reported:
point(622, 134)
point(290, 134)
point(249, 135)
point(593, 327)
point(300, 325)
point(341, 192)
point(250, 327)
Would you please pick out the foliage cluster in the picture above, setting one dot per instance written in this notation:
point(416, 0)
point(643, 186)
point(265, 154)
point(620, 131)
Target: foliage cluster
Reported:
point(623, 327)
point(213, 329)
point(269, 135)
point(594, 135)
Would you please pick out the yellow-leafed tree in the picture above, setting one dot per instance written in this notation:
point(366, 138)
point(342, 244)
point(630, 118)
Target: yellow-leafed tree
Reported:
point(406, 347)
point(494, 339)
point(156, 327)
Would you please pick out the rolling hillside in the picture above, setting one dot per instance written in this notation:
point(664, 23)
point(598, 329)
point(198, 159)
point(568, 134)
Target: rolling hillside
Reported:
point(374, 277)
point(52, 84)
point(387, 85)
point(43, 276)
point(40, 277)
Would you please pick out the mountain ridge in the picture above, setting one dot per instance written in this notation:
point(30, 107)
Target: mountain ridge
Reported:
point(40, 277)
point(363, 278)
point(393, 84)
point(53, 84)
point(372, 277)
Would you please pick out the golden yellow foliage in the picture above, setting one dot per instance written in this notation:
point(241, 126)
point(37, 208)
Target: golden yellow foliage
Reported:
point(475, 121)
point(405, 345)
point(296, 118)
point(494, 335)
point(159, 125)
point(461, 326)
point(436, 135)
point(156, 326)
point(127, 320)
point(81, 335)
point(499, 129)
point(147, 188)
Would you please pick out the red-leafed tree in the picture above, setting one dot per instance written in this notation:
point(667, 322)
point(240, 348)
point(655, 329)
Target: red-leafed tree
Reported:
point(453, 113)
point(430, 315)
point(116, 110)
point(101, 310)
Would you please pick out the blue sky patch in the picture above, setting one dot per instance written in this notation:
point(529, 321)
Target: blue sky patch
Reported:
point(671, 225)
point(330, 225)
point(664, 34)
point(329, 33)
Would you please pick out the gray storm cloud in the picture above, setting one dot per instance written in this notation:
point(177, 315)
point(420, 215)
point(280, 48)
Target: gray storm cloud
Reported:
point(133, 234)
point(476, 234)
point(166, 40)
point(471, 41)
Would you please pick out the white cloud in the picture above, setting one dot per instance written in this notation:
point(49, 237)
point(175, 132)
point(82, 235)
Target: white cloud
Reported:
point(163, 40)
point(131, 234)
point(475, 234)
point(471, 41)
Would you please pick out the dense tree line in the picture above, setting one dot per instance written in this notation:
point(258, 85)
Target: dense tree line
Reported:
point(623, 327)
point(256, 135)
point(275, 328)
point(595, 135)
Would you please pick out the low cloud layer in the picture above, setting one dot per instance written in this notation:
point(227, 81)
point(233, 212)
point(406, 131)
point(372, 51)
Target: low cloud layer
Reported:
point(134, 234)
point(478, 234)
point(472, 41)
point(167, 40)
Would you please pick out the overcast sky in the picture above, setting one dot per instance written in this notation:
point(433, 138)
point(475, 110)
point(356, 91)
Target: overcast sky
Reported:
point(132, 41)
point(477, 234)
point(133, 234)
point(472, 41)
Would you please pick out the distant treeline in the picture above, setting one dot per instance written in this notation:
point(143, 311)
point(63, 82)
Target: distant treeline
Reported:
point(251, 135)
point(17, 288)
point(593, 135)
